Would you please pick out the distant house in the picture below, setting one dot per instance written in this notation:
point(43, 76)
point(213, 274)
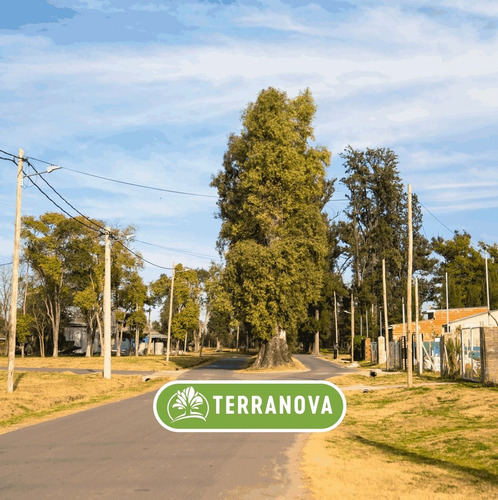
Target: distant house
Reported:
point(75, 334)
point(435, 322)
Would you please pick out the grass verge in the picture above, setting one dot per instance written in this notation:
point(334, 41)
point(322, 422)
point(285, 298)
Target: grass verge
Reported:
point(128, 363)
point(42, 396)
point(427, 442)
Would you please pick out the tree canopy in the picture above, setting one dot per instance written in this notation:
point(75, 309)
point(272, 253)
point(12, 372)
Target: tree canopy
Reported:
point(272, 190)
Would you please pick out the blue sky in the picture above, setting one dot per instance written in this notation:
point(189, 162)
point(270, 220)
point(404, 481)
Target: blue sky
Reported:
point(147, 92)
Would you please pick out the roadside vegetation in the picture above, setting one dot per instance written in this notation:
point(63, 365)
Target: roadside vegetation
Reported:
point(129, 363)
point(42, 396)
point(436, 441)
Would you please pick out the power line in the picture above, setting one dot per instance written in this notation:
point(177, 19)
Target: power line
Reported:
point(60, 208)
point(65, 201)
point(8, 159)
point(143, 186)
point(442, 223)
point(186, 252)
point(100, 228)
point(141, 257)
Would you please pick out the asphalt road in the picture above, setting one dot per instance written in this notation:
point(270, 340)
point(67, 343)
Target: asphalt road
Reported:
point(120, 451)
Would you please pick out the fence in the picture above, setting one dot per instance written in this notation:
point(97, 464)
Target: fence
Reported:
point(398, 354)
point(471, 354)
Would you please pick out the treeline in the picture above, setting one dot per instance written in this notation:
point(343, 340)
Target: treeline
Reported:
point(287, 264)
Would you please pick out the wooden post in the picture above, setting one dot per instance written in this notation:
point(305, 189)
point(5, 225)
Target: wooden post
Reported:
point(107, 305)
point(170, 313)
point(149, 345)
point(420, 364)
point(352, 329)
point(335, 321)
point(487, 284)
point(447, 306)
point(409, 361)
point(384, 293)
point(15, 277)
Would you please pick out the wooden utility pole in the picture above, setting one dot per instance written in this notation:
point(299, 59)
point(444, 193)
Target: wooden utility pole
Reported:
point(420, 364)
point(352, 328)
point(447, 306)
point(15, 277)
point(409, 361)
point(107, 305)
point(335, 321)
point(384, 293)
point(487, 282)
point(149, 345)
point(170, 312)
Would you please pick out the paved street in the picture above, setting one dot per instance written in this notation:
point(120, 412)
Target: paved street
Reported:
point(120, 451)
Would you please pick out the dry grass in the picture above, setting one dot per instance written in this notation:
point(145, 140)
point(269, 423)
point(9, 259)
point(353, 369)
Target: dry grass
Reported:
point(41, 396)
point(128, 363)
point(427, 442)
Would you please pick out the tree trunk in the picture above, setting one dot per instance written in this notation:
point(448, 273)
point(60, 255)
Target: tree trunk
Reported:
point(316, 345)
point(204, 330)
point(137, 340)
point(197, 338)
point(177, 346)
point(218, 344)
point(274, 352)
point(101, 339)
point(41, 341)
point(119, 339)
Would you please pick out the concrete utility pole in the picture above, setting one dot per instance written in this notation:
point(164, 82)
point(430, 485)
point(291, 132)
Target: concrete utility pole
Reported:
point(107, 305)
point(384, 293)
point(15, 277)
point(170, 312)
point(352, 328)
point(409, 361)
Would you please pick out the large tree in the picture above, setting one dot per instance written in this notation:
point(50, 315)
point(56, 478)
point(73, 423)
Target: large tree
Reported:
point(272, 190)
point(376, 228)
point(466, 270)
point(52, 246)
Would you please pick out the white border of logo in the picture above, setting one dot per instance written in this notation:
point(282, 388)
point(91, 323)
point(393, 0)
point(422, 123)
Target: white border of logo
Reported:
point(277, 382)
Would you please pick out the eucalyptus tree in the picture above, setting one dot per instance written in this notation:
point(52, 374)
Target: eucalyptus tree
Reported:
point(466, 270)
point(67, 257)
point(376, 228)
point(52, 248)
point(186, 303)
point(272, 190)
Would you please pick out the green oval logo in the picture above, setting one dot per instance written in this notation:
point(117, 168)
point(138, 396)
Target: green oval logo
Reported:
point(249, 406)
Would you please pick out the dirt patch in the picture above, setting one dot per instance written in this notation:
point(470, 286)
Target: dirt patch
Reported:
point(43, 396)
point(295, 366)
point(429, 442)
